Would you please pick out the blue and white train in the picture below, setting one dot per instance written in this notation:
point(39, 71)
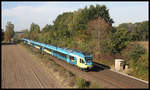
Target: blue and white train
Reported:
point(81, 59)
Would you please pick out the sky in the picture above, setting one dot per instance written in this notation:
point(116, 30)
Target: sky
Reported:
point(22, 14)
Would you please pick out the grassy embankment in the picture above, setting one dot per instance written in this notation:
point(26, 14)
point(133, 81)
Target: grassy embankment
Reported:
point(136, 67)
point(67, 78)
point(141, 69)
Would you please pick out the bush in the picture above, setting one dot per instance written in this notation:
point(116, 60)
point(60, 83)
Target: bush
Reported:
point(142, 67)
point(136, 52)
point(137, 59)
point(143, 60)
point(117, 42)
point(81, 83)
point(95, 85)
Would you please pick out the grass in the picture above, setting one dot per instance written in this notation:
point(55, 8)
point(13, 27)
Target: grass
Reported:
point(144, 44)
point(137, 67)
point(95, 85)
point(81, 83)
point(141, 69)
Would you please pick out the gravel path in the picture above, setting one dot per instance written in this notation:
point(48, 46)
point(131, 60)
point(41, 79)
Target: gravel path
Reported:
point(20, 70)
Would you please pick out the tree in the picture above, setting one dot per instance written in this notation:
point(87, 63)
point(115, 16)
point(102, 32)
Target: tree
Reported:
point(34, 31)
point(99, 31)
point(117, 42)
point(140, 32)
point(63, 20)
point(26, 33)
point(82, 16)
point(9, 33)
point(47, 28)
point(34, 28)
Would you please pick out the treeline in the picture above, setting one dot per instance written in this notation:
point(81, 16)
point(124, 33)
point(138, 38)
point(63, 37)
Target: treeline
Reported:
point(89, 29)
point(9, 32)
point(138, 31)
point(76, 29)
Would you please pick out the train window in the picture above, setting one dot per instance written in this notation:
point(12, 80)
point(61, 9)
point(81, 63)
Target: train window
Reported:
point(56, 52)
point(81, 60)
point(60, 54)
point(88, 59)
point(71, 58)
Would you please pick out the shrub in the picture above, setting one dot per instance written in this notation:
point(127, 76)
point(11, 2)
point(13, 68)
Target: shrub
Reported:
point(136, 52)
point(137, 59)
point(117, 42)
point(142, 67)
point(81, 83)
point(95, 85)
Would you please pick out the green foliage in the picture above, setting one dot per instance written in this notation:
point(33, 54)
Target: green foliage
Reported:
point(9, 32)
point(47, 28)
point(138, 31)
point(34, 28)
point(143, 61)
point(82, 16)
point(136, 52)
point(126, 26)
point(63, 21)
point(137, 59)
point(90, 29)
point(117, 42)
point(141, 68)
point(95, 85)
point(16, 39)
point(81, 83)
point(34, 32)
point(26, 33)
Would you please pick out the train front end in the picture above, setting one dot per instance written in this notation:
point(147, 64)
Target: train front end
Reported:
point(85, 62)
point(88, 62)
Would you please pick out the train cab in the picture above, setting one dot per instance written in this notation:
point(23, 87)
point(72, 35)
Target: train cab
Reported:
point(88, 61)
point(85, 62)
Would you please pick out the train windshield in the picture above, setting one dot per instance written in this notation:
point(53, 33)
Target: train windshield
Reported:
point(88, 59)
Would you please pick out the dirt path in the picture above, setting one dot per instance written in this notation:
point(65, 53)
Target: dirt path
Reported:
point(20, 70)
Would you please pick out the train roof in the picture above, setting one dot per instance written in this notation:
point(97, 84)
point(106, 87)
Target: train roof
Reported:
point(59, 49)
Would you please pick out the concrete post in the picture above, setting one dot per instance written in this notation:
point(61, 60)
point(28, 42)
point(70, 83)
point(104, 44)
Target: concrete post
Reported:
point(119, 63)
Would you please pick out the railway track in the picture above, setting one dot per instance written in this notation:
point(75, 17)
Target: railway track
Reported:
point(123, 78)
point(100, 75)
point(108, 77)
point(104, 76)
